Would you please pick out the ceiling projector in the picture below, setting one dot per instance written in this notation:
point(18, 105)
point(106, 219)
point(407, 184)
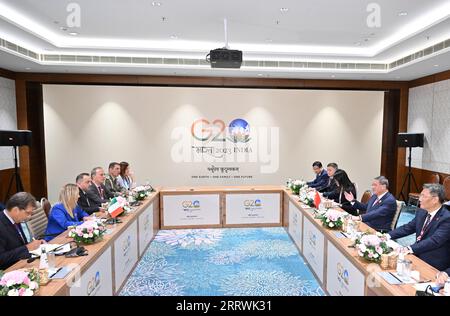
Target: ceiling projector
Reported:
point(225, 58)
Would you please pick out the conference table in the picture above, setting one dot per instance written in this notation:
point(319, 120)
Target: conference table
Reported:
point(336, 265)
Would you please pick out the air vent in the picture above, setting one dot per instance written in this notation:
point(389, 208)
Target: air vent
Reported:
point(137, 60)
point(18, 49)
point(420, 54)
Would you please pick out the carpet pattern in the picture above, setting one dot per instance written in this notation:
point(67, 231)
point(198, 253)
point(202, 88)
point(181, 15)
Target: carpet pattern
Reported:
point(217, 262)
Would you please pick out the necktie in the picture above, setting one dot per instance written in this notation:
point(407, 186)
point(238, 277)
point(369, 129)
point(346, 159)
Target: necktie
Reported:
point(87, 198)
point(100, 190)
point(20, 232)
point(376, 201)
point(427, 222)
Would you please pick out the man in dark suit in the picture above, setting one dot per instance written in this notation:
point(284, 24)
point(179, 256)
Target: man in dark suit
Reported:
point(381, 207)
point(97, 191)
point(83, 181)
point(432, 227)
point(14, 245)
point(321, 179)
point(330, 188)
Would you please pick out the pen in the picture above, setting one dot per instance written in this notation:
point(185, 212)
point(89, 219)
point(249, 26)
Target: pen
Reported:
point(51, 276)
point(425, 281)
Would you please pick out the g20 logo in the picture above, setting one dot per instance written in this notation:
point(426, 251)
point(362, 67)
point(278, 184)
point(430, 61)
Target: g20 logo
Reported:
point(126, 243)
point(237, 132)
point(93, 284)
point(249, 203)
point(342, 273)
point(190, 204)
point(312, 239)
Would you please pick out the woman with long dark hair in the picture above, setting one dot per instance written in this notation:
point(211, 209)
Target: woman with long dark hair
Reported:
point(344, 184)
point(125, 179)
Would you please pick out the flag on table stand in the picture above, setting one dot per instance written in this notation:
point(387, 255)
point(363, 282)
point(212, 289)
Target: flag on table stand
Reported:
point(317, 200)
point(115, 209)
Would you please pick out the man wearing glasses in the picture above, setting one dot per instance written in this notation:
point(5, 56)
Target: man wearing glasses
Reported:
point(15, 243)
point(432, 228)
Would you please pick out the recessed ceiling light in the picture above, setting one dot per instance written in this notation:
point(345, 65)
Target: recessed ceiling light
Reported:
point(156, 3)
point(269, 40)
point(260, 75)
point(333, 76)
point(283, 10)
point(28, 68)
point(173, 36)
point(436, 65)
point(403, 13)
point(73, 33)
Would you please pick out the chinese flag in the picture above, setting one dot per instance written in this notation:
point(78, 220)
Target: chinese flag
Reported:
point(317, 200)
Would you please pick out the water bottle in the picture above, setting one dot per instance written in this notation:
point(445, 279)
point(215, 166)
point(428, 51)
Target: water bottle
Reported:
point(400, 261)
point(43, 264)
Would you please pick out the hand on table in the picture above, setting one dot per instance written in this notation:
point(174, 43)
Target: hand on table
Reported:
point(35, 244)
point(404, 250)
point(441, 277)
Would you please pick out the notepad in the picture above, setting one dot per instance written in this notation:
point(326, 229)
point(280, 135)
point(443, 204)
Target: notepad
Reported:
point(394, 279)
point(62, 273)
point(390, 278)
point(340, 235)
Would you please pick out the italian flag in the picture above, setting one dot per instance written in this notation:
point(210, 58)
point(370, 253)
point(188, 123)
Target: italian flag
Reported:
point(115, 209)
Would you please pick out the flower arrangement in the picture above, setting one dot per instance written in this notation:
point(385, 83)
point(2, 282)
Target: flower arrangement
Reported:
point(19, 283)
point(88, 232)
point(295, 185)
point(141, 192)
point(331, 218)
point(306, 197)
point(372, 246)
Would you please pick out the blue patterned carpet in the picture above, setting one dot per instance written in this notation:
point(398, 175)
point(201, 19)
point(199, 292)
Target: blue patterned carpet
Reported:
point(217, 262)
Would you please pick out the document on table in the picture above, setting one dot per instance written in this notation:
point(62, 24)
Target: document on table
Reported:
point(51, 247)
point(394, 279)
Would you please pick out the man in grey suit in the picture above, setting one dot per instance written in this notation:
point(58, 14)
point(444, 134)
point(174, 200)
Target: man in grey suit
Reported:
point(97, 192)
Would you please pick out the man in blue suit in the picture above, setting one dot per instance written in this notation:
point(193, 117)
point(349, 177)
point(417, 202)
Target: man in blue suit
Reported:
point(432, 227)
point(381, 207)
point(321, 180)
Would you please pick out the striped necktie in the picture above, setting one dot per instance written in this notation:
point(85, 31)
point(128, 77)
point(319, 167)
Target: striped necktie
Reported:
point(427, 222)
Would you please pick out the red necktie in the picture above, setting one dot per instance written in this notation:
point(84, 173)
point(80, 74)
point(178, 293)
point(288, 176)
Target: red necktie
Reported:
point(100, 190)
point(376, 202)
point(427, 222)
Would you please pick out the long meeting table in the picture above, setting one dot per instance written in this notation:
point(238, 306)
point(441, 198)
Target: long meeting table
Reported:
point(337, 267)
